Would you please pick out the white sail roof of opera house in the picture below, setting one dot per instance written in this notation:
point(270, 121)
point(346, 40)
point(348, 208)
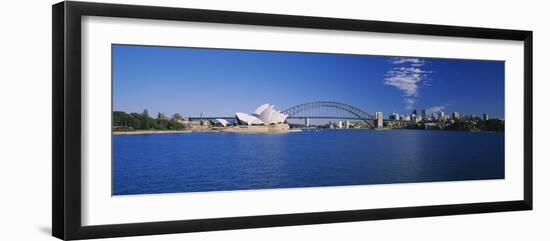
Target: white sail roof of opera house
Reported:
point(261, 108)
point(224, 122)
point(248, 119)
point(265, 114)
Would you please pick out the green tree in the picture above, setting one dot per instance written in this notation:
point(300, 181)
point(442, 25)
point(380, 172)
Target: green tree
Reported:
point(177, 116)
point(160, 124)
point(145, 120)
point(135, 121)
point(121, 119)
point(491, 125)
point(175, 125)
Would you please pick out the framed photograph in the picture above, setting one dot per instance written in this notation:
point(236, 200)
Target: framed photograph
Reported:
point(170, 120)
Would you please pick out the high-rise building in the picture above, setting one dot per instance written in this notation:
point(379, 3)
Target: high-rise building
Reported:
point(414, 112)
point(485, 117)
point(379, 119)
point(415, 119)
point(394, 116)
point(455, 116)
point(441, 116)
point(423, 113)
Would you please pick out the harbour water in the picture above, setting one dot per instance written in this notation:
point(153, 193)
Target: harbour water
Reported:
point(197, 162)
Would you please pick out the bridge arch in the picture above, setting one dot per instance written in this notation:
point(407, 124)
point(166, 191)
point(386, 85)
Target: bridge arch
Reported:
point(293, 112)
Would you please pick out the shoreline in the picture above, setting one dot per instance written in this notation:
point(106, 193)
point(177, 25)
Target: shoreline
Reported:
point(148, 132)
point(151, 132)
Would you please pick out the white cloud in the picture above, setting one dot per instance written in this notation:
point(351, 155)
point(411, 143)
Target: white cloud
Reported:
point(435, 109)
point(439, 107)
point(407, 76)
point(407, 79)
point(409, 103)
point(412, 61)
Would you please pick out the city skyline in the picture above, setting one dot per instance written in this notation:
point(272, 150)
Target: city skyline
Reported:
point(217, 82)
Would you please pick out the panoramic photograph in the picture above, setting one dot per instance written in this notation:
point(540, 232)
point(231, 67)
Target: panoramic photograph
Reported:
point(187, 119)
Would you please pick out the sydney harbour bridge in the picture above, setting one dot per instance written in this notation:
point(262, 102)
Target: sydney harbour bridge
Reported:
point(327, 110)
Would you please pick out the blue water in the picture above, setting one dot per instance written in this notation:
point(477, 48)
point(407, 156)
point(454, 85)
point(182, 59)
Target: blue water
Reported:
point(196, 162)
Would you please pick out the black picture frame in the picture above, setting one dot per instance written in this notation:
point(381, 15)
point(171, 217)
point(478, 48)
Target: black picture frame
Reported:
point(66, 164)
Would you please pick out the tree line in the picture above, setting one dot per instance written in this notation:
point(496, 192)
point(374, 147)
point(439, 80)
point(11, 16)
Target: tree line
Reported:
point(482, 125)
point(461, 125)
point(123, 121)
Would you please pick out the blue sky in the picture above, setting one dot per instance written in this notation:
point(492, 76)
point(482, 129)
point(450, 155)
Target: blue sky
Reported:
point(219, 82)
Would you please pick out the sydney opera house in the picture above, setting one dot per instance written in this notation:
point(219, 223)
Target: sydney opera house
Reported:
point(264, 118)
